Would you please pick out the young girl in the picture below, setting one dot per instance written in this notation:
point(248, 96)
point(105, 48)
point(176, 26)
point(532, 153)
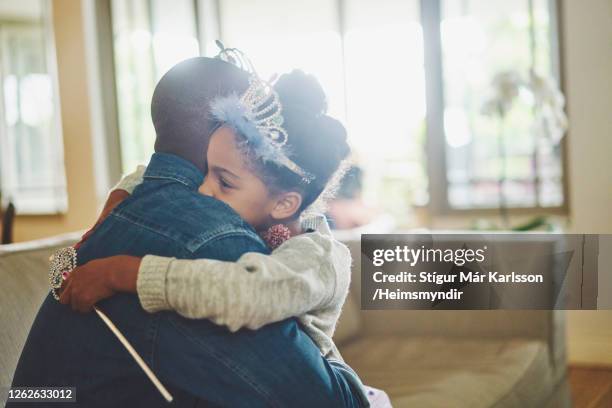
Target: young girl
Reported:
point(269, 171)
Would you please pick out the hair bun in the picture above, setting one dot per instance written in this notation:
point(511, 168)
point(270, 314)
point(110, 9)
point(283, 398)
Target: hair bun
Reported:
point(316, 142)
point(298, 90)
point(335, 133)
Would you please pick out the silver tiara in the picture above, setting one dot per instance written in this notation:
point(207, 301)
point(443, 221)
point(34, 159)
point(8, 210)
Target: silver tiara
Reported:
point(257, 115)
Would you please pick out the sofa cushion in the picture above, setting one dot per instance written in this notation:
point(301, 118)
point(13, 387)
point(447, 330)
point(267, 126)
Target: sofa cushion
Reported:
point(452, 372)
point(25, 283)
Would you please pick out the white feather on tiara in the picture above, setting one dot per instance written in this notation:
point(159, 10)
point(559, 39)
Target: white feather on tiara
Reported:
point(256, 115)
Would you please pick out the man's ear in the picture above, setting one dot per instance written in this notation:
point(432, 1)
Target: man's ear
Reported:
point(286, 205)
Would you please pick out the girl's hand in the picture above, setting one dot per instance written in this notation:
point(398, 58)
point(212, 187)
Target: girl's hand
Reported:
point(99, 279)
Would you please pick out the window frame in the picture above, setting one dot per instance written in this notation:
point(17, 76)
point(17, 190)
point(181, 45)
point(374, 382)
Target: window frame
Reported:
point(58, 204)
point(435, 144)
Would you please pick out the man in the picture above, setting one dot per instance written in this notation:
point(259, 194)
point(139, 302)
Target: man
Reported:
point(197, 360)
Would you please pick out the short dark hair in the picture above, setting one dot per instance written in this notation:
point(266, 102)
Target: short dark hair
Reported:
point(180, 107)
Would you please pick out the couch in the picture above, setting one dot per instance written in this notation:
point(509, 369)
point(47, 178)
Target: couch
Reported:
point(420, 358)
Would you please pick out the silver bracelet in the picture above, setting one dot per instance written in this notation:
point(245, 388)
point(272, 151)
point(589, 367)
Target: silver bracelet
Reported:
point(63, 261)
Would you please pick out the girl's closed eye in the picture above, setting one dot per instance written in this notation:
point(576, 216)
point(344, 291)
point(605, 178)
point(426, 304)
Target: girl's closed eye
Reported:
point(225, 184)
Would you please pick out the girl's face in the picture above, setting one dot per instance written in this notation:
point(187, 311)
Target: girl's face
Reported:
point(229, 179)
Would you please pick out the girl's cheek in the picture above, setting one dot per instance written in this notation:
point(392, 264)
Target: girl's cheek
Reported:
point(237, 203)
point(226, 198)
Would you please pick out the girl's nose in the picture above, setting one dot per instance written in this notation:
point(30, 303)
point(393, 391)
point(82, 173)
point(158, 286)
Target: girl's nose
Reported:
point(206, 187)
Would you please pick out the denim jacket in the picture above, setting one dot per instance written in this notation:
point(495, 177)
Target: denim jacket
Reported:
point(277, 365)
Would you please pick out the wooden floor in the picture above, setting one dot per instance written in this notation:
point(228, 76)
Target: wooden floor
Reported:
point(591, 387)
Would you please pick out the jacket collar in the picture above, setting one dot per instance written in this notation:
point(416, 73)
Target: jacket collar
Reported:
point(170, 167)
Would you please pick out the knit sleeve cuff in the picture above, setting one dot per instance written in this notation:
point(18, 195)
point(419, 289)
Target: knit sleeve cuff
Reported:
point(151, 283)
point(129, 182)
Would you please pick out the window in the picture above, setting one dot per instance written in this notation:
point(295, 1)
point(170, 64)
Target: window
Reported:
point(491, 160)
point(31, 152)
point(409, 78)
point(385, 89)
point(368, 57)
point(150, 36)
point(338, 44)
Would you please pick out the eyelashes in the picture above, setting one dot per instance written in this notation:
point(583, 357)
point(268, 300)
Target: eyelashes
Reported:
point(224, 184)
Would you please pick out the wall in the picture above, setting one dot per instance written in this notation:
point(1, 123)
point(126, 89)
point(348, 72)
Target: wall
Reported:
point(78, 158)
point(587, 35)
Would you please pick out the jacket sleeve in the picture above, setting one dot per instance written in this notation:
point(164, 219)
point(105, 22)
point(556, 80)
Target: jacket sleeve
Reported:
point(130, 181)
point(258, 289)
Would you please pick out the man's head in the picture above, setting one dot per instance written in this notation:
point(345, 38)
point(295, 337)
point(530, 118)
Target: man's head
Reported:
point(181, 104)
